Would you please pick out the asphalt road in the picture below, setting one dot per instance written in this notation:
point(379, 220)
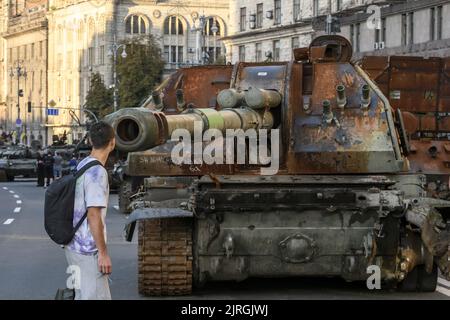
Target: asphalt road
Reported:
point(33, 267)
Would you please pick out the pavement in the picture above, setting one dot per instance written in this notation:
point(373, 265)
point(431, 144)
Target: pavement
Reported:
point(33, 267)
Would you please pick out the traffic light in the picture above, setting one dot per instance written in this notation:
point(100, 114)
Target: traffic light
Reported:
point(29, 106)
point(20, 92)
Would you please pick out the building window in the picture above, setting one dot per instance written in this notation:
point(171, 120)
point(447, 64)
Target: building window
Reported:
point(352, 34)
point(41, 48)
point(258, 52)
point(91, 56)
point(404, 29)
point(276, 50)
point(101, 55)
point(243, 18)
point(383, 30)
point(259, 15)
point(59, 61)
point(297, 10)
point(176, 54)
point(277, 6)
point(241, 53)
point(357, 37)
point(166, 54)
point(25, 52)
point(315, 8)
point(295, 42)
point(135, 25)
point(411, 27)
point(173, 25)
point(173, 54)
point(69, 60)
point(80, 33)
point(338, 5)
point(439, 23)
point(432, 24)
point(32, 50)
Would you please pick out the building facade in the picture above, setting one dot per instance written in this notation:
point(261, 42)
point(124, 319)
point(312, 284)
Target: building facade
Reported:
point(25, 68)
point(271, 29)
point(411, 28)
point(3, 68)
point(83, 33)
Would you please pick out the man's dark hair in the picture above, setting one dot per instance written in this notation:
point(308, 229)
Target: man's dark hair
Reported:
point(100, 134)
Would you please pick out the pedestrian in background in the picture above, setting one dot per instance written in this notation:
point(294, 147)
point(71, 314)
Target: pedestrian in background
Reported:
point(73, 164)
point(40, 169)
point(48, 167)
point(57, 166)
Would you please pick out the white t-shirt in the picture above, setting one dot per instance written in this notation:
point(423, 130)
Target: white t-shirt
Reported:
point(92, 190)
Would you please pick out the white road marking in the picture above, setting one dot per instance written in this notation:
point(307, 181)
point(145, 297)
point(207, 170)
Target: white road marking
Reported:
point(19, 201)
point(10, 191)
point(9, 221)
point(5, 188)
point(444, 282)
point(443, 291)
point(117, 208)
point(17, 210)
point(16, 196)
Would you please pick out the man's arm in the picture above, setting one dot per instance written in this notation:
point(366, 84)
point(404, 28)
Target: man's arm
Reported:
point(97, 229)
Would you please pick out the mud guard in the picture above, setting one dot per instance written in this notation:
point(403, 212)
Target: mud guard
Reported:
point(152, 213)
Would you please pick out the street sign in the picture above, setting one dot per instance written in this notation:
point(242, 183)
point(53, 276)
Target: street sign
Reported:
point(52, 112)
point(18, 123)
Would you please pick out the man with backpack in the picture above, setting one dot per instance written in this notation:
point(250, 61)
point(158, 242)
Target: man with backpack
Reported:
point(85, 239)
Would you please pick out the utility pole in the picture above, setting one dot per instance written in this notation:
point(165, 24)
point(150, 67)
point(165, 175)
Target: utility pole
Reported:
point(18, 71)
point(113, 54)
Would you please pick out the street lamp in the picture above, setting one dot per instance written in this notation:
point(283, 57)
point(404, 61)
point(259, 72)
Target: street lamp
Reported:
point(214, 30)
point(18, 71)
point(199, 35)
point(112, 53)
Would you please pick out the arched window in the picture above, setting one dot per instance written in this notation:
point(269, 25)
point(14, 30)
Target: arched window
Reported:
point(135, 25)
point(80, 32)
point(173, 25)
point(91, 30)
point(211, 25)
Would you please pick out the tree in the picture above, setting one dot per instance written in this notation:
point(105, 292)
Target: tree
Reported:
point(140, 71)
point(99, 99)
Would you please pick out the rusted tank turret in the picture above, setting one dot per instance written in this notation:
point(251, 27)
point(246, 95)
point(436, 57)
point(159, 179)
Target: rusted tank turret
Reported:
point(338, 200)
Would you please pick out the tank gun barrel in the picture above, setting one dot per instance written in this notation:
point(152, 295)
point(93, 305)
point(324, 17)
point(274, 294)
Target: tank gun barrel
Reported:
point(139, 129)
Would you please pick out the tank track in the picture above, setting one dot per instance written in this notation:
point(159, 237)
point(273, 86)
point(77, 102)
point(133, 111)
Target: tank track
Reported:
point(165, 257)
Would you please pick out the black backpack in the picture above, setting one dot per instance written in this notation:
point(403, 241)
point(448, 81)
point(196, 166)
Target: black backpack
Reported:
point(59, 206)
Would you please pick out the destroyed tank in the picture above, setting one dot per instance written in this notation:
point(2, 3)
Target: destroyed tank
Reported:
point(329, 193)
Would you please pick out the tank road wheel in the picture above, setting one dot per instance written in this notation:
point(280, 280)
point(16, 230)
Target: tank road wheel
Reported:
point(409, 284)
point(165, 257)
point(125, 192)
point(427, 282)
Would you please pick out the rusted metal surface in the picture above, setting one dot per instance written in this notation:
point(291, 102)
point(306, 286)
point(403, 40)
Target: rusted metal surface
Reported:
point(199, 84)
point(330, 48)
point(420, 88)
